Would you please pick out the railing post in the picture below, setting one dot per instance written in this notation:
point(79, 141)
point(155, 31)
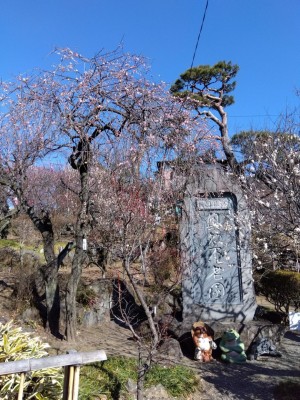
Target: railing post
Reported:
point(71, 382)
point(21, 387)
point(76, 382)
point(66, 382)
point(69, 379)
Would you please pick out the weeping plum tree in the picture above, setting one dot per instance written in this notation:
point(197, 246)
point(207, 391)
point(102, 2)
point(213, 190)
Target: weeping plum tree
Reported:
point(26, 138)
point(75, 112)
point(98, 101)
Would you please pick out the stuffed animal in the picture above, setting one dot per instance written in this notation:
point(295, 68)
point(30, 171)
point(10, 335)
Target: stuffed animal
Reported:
point(233, 349)
point(204, 344)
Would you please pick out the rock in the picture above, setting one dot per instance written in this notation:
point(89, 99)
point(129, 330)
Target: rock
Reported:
point(250, 331)
point(3, 320)
point(99, 310)
point(171, 348)
point(30, 314)
point(7, 299)
point(171, 305)
point(156, 393)
point(89, 319)
point(131, 387)
point(171, 325)
point(109, 294)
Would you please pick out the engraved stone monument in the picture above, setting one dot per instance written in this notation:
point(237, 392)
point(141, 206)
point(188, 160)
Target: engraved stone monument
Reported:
point(215, 245)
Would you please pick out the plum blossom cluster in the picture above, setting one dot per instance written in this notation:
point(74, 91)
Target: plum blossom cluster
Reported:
point(271, 182)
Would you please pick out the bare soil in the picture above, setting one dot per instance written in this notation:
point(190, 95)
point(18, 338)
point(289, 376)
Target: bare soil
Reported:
point(253, 380)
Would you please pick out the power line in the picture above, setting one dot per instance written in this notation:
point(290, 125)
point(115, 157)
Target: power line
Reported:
point(201, 27)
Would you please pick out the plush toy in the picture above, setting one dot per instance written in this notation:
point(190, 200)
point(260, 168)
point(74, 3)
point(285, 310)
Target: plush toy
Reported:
point(233, 349)
point(204, 344)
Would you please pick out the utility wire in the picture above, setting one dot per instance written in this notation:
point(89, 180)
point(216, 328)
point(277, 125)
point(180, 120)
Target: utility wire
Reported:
point(196, 47)
point(200, 31)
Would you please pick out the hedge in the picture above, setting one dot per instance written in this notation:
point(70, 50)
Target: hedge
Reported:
point(282, 288)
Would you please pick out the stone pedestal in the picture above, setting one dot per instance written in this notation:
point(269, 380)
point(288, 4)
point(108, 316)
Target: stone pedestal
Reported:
point(215, 247)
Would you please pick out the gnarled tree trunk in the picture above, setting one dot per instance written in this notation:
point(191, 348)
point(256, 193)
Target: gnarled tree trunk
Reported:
point(49, 271)
point(81, 232)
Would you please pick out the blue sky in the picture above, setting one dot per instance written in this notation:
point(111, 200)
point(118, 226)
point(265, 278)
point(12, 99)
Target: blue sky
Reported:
point(262, 36)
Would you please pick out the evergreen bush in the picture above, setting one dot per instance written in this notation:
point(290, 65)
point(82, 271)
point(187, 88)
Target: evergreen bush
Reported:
point(282, 288)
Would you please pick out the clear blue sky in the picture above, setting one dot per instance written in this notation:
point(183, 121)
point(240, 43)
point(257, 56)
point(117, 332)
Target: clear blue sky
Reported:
point(262, 36)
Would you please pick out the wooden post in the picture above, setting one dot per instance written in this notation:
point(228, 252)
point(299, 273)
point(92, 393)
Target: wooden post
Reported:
point(71, 383)
point(76, 382)
point(66, 382)
point(69, 379)
point(21, 387)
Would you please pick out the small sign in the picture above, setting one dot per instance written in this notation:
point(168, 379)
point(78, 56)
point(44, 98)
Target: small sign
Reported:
point(212, 204)
point(84, 244)
point(294, 319)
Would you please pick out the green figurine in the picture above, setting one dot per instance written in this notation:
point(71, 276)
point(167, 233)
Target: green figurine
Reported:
point(233, 349)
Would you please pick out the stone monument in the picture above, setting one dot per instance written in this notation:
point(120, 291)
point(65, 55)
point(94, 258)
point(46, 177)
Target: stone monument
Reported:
point(215, 246)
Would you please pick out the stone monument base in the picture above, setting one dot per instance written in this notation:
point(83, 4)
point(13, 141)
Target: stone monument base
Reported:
point(249, 331)
point(241, 313)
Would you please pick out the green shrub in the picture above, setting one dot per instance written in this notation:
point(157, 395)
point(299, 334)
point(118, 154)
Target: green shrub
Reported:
point(18, 345)
point(110, 378)
point(282, 288)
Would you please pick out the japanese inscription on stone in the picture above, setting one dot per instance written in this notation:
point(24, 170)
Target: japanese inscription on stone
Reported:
point(215, 261)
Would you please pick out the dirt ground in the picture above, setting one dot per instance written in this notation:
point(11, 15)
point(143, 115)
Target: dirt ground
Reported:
point(253, 380)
